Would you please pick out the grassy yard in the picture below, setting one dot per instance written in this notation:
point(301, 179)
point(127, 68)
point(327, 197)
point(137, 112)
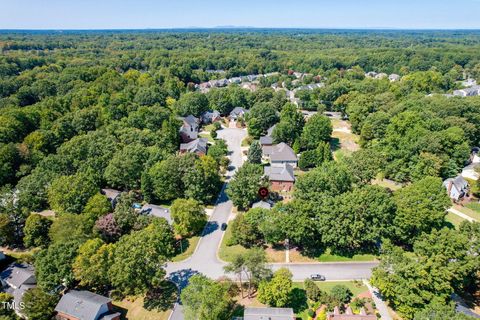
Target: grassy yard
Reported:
point(227, 253)
point(356, 287)
point(208, 136)
point(389, 184)
point(209, 127)
point(189, 247)
point(277, 254)
point(454, 219)
point(247, 141)
point(134, 310)
point(475, 206)
point(469, 212)
point(343, 140)
point(20, 255)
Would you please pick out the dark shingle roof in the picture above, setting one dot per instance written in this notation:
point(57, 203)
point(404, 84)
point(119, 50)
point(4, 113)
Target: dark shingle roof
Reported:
point(83, 305)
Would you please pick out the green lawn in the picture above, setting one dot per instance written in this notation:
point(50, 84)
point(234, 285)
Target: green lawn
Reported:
point(469, 212)
point(208, 136)
point(209, 127)
point(454, 219)
point(190, 244)
point(329, 257)
point(226, 253)
point(475, 206)
point(247, 141)
point(133, 309)
point(355, 287)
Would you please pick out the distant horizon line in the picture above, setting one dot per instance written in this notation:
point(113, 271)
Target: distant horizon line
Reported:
point(242, 28)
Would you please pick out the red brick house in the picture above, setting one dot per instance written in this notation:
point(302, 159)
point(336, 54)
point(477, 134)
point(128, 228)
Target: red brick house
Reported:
point(281, 177)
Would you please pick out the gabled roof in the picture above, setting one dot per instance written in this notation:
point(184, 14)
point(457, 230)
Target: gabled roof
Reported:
point(280, 173)
point(459, 182)
point(17, 275)
point(191, 120)
point(254, 313)
point(197, 145)
point(83, 305)
point(262, 204)
point(282, 152)
point(111, 194)
point(238, 111)
point(266, 140)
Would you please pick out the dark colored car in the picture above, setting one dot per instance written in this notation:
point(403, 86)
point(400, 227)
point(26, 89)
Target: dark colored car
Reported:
point(223, 227)
point(317, 277)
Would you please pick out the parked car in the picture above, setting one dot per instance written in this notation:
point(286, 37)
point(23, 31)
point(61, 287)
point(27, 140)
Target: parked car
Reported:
point(223, 227)
point(317, 277)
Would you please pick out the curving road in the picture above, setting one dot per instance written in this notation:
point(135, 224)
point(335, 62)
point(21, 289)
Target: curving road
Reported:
point(205, 260)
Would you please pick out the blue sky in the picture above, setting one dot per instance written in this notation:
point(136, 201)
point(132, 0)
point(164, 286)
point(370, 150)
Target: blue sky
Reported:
point(140, 14)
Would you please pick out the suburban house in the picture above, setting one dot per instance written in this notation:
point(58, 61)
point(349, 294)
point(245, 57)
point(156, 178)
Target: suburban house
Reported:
point(281, 177)
point(456, 187)
point(85, 305)
point(210, 116)
point(263, 205)
point(238, 112)
point(280, 154)
point(189, 128)
point(267, 140)
point(349, 315)
point(198, 146)
point(394, 77)
point(467, 92)
point(381, 75)
point(112, 195)
point(469, 171)
point(257, 313)
point(16, 280)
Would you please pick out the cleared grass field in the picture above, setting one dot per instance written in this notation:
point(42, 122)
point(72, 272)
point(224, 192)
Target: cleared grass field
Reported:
point(134, 310)
point(191, 244)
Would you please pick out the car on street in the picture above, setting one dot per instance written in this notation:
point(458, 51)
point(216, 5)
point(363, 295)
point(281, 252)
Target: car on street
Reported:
point(223, 227)
point(317, 277)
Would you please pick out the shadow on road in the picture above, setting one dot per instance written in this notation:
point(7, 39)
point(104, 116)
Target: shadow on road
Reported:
point(181, 278)
point(210, 227)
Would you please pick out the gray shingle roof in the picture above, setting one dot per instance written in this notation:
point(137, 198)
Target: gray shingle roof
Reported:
point(83, 305)
point(238, 111)
point(252, 313)
point(280, 173)
point(282, 152)
point(18, 274)
point(197, 145)
point(266, 140)
point(262, 204)
point(459, 182)
point(191, 120)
